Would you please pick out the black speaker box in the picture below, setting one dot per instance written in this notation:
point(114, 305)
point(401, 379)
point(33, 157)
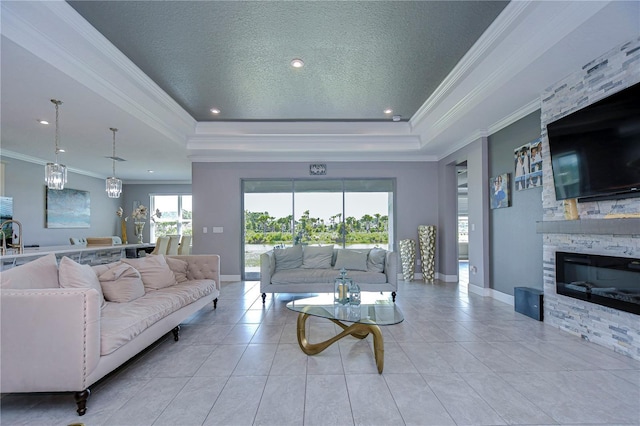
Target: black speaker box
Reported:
point(529, 301)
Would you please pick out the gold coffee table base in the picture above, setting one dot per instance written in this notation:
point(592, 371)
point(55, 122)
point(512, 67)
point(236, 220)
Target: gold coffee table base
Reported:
point(357, 330)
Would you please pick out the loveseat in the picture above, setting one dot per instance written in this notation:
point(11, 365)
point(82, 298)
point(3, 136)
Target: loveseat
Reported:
point(65, 327)
point(313, 269)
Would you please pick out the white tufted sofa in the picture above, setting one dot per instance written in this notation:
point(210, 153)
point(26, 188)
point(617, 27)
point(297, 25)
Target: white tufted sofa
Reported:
point(65, 339)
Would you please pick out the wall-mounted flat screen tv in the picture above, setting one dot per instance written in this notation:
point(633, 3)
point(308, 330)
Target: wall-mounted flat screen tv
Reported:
point(595, 151)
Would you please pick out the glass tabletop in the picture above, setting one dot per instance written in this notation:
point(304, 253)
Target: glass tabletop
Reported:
point(375, 308)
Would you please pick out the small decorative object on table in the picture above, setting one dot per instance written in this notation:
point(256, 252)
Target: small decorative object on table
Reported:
point(342, 285)
point(354, 294)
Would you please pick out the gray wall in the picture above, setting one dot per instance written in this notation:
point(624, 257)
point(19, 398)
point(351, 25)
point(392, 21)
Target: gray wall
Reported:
point(24, 182)
point(516, 249)
point(217, 198)
point(475, 154)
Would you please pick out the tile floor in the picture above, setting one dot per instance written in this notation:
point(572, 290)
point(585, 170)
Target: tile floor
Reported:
point(457, 359)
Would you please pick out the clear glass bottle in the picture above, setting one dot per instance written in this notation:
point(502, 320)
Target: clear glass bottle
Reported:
point(354, 294)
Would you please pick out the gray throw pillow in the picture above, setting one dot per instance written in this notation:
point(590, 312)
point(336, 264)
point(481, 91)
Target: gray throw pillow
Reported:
point(351, 260)
point(288, 258)
point(375, 262)
point(317, 257)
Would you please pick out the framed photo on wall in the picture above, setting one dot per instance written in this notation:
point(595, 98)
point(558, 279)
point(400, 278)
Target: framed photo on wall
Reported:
point(499, 191)
point(528, 165)
point(68, 208)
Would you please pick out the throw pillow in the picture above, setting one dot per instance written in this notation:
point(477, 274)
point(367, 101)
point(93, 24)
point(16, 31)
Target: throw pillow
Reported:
point(351, 259)
point(154, 271)
point(39, 273)
point(121, 284)
point(317, 257)
point(375, 262)
point(179, 268)
point(288, 258)
point(74, 275)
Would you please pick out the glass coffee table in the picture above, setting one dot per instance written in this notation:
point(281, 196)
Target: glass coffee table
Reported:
point(375, 310)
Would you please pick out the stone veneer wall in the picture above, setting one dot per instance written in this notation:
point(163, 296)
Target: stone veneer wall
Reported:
point(617, 330)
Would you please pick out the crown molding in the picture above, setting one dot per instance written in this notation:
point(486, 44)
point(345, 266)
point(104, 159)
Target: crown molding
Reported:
point(516, 115)
point(305, 143)
point(502, 24)
point(54, 32)
point(504, 51)
point(232, 157)
point(40, 161)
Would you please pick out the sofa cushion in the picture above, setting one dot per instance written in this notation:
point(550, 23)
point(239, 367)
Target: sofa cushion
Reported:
point(375, 261)
point(179, 268)
point(288, 258)
point(39, 273)
point(154, 271)
point(121, 284)
point(121, 322)
point(355, 260)
point(74, 275)
point(313, 276)
point(317, 257)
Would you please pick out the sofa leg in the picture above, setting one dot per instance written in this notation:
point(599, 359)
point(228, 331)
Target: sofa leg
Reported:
point(176, 333)
point(81, 401)
point(215, 303)
point(393, 296)
point(264, 297)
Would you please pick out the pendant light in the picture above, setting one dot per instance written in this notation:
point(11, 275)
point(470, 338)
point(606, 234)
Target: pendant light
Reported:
point(114, 185)
point(55, 174)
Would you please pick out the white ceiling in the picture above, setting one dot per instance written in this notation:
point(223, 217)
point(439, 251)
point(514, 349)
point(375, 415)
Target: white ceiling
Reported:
point(50, 51)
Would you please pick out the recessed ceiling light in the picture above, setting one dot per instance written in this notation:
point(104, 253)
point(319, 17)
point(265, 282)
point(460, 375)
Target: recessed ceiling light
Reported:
point(43, 122)
point(61, 150)
point(396, 118)
point(150, 171)
point(215, 110)
point(297, 63)
point(388, 111)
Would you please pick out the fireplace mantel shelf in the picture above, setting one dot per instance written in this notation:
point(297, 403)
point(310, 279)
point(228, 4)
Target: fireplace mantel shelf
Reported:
point(629, 226)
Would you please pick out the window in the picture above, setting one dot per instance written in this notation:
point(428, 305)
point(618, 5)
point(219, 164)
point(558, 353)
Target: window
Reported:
point(175, 216)
point(354, 213)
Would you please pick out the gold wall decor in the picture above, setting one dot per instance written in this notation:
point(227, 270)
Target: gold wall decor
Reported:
point(427, 240)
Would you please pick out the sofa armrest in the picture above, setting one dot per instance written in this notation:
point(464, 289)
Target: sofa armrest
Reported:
point(202, 267)
point(50, 339)
point(267, 268)
point(391, 268)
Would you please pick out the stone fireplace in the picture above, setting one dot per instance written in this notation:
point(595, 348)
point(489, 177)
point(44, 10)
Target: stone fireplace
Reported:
point(605, 228)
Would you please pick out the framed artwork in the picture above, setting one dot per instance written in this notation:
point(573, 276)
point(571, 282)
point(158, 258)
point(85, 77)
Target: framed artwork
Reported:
point(528, 165)
point(499, 191)
point(68, 208)
point(317, 169)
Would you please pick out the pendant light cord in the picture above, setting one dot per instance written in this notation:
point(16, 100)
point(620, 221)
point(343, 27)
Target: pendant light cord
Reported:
point(57, 104)
point(113, 158)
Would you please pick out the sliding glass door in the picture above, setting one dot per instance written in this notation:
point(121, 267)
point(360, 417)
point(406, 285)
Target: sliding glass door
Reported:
point(356, 213)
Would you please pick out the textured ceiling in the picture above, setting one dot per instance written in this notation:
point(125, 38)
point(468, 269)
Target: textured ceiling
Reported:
point(360, 57)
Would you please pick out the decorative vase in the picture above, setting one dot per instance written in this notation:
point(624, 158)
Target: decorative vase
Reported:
point(139, 229)
point(123, 227)
point(408, 258)
point(342, 285)
point(427, 240)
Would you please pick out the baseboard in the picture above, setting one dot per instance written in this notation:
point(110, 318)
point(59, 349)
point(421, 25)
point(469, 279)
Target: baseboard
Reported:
point(447, 278)
point(489, 292)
